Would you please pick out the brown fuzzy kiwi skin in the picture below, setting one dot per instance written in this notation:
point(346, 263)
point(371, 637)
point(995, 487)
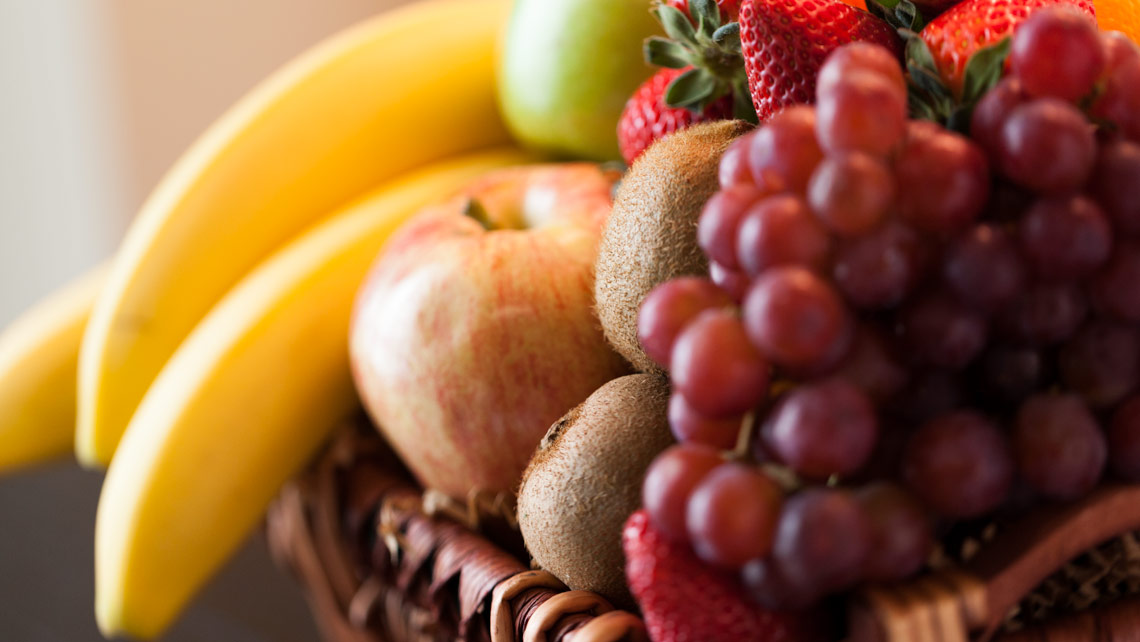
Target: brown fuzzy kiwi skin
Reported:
point(651, 233)
point(585, 480)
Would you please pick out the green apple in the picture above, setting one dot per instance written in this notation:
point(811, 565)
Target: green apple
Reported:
point(567, 68)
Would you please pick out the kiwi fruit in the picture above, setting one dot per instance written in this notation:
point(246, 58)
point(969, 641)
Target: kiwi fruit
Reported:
point(585, 479)
point(651, 233)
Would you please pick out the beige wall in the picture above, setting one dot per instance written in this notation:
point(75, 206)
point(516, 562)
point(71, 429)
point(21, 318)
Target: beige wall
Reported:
point(97, 99)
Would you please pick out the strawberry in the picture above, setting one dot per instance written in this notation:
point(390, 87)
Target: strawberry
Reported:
point(966, 28)
point(683, 599)
point(729, 9)
point(784, 43)
point(647, 118)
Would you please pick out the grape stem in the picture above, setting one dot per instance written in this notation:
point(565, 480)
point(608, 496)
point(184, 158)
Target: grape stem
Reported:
point(743, 449)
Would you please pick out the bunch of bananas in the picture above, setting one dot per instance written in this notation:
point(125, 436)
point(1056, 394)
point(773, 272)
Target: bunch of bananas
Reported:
point(216, 339)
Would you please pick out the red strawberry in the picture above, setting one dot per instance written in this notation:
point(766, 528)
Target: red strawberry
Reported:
point(785, 42)
point(956, 35)
point(685, 600)
point(729, 9)
point(646, 118)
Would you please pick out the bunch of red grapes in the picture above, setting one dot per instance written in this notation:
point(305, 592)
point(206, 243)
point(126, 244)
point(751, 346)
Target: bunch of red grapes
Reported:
point(906, 328)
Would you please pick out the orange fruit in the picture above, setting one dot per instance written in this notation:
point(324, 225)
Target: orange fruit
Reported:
point(1119, 15)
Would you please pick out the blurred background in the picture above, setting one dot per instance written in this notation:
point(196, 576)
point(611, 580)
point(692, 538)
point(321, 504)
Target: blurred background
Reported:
point(98, 99)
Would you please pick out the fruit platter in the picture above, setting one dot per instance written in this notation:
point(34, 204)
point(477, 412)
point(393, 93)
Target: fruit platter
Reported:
point(679, 321)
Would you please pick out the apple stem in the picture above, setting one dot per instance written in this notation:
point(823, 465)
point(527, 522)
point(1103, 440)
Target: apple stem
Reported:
point(476, 211)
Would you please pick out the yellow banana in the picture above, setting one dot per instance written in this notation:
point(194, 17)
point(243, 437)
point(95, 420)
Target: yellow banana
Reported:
point(241, 406)
point(38, 356)
point(402, 90)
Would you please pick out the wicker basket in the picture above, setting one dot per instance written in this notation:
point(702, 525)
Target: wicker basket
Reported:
point(380, 562)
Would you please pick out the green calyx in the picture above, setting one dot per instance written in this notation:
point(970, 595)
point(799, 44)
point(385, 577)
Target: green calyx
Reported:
point(929, 96)
point(713, 52)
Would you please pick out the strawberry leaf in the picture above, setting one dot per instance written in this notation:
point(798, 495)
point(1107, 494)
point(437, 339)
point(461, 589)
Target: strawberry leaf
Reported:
point(706, 14)
point(691, 89)
point(742, 107)
point(667, 53)
point(900, 14)
point(984, 70)
point(676, 24)
point(728, 37)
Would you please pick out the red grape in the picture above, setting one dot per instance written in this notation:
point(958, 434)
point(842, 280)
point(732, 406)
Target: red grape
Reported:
point(861, 111)
point(959, 465)
point(929, 394)
point(1059, 447)
point(1114, 183)
point(780, 230)
point(690, 426)
point(982, 267)
point(940, 331)
point(1116, 288)
point(1057, 52)
point(797, 319)
point(671, 306)
point(1048, 146)
point(1043, 313)
point(822, 429)
point(1065, 238)
point(670, 481)
point(732, 515)
point(734, 283)
point(783, 153)
point(1010, 373)
point(871, 366)
point(768, 586)
point(715, 366)
point(1124, 441)
point(1119, 102)
point(901, 537)
point(850, 193)
point(823, 540)
point(1101, 362)
point(992, 111)
point(859, 56)
point(733, 168)
point(943, 180)
point(720, 219)
point(878, 270)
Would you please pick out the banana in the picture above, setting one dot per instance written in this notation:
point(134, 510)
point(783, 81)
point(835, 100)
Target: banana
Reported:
point(38, 356)
point(241, 406)
point(407, 88)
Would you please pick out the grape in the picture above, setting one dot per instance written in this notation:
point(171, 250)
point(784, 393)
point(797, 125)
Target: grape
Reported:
point(1124, 441)
point(1048, 146)
point(850, 193)
point(929, 394)
point(768, 586)
point(1119, 102)
point(669, 307)
point(859, 56)
point(1043, 313)
point(861, 111)
point(1059, 448)
point(822, 429)
point(1114, 183)
point(1116, 288)
point(783, 153)
point(823, 540)
point(879, 269)
point(1065, 238)
point(1101, 363)
point(715, 366)
point(796, 319)
point(1008, 202)
point(1010, 373)
point(886, 459)
point(720, 219)
point(992, 111)
point(959, 465)
point(670, 481)
point(690, 426)
point(732, 515)
point(734, 283)
point(733, 168)
point(1057, 52)
point(982, 267)
point(1118, 49)
point(901, 537)
point(871, 366)
point(943, 180)
point(780, 230)
point(940, 331)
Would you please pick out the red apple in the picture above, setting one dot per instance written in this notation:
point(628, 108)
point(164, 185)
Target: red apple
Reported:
point(475, 329)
